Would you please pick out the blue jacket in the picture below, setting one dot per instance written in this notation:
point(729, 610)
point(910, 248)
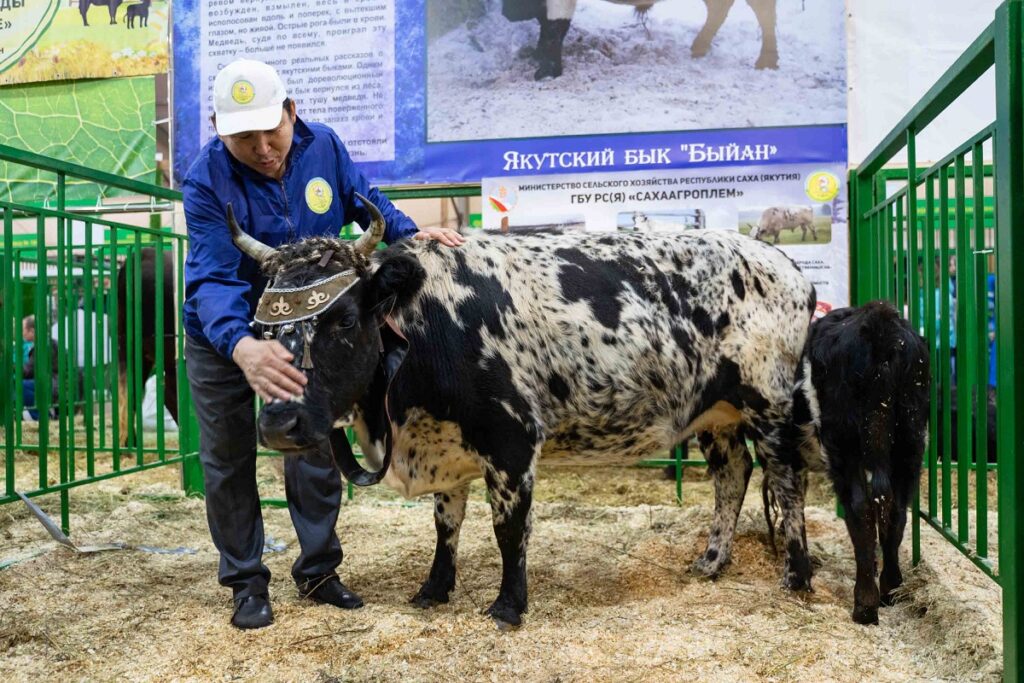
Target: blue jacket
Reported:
point(221, 285)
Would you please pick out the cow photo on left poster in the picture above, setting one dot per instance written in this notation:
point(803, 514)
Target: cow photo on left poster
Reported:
point(545, 68)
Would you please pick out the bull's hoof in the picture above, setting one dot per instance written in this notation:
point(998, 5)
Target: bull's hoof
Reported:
point(868, 616)
point(699, 49)
point(770, 61)
point(547, 70)
point(797, 581)
point(429, 596)
point(506, 617)
point(709, 565)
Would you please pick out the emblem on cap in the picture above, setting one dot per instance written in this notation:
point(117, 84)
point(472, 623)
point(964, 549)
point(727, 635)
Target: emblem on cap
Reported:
point(318, 195)
point(242, 92)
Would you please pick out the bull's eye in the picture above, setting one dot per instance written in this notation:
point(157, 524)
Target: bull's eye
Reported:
point(347, 322)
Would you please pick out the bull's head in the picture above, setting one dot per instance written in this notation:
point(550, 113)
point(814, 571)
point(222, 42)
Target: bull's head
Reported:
point(326, 303)
point(755, 230)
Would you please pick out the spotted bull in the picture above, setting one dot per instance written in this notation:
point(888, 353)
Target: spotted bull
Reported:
point(584, 346)
point(555, 16)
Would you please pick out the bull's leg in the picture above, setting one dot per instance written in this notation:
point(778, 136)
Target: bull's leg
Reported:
point(718, 10)
point(113, 12)
point(730, 463)
point(553, 28)
point(449, 511)
point(765, 12)
point(511, 497)
point(83, 7)
point(778, 451)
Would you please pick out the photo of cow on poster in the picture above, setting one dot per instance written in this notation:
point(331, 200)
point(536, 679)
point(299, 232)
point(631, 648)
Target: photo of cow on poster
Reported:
point(542, 68)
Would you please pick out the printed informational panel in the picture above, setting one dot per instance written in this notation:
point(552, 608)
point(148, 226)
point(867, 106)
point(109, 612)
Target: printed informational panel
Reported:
point(46, 40)
point(451, 91)
point(800, 207)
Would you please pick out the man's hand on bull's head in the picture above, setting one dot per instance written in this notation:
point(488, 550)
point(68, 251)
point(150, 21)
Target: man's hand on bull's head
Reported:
point(268, 369)
point(446, 236)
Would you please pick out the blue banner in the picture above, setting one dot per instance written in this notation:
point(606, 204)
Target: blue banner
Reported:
point(446, 92)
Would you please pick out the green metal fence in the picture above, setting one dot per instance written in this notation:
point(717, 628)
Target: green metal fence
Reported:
point(62, 267)
point(942, 243)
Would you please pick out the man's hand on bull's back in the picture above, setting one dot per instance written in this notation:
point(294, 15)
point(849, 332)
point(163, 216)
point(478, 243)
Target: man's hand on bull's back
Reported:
point(446, 236)
point(268, 369)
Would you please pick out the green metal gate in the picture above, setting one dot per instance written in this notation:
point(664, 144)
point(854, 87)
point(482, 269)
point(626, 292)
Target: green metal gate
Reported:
point(62, 268)
point(945, 245)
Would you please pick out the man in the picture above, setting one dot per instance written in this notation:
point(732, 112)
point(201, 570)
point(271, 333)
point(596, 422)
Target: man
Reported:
point(285, 180)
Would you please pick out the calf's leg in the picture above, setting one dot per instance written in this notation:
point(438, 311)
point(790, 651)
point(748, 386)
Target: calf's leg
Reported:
point(860, 522)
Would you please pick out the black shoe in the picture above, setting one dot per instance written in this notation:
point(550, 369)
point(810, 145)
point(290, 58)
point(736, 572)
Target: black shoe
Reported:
point(252, 612)
point(331, 591)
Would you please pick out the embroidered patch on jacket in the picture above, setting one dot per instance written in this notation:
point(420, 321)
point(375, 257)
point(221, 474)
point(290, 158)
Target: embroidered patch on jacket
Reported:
point(318, 195)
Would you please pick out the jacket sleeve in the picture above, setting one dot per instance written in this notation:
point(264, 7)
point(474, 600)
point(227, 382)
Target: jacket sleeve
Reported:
point(352, 180)
point(211, 271)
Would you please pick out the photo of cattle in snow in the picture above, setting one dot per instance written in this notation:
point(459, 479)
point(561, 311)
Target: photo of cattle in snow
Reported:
point(540, 68)
point(788, 224)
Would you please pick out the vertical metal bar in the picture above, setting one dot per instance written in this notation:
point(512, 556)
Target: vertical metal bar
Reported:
point(114, 339)
point(1009, 157)
point(101, 346)
point(137, 380)
point(188, 440)
point(931, 334)
point(11, 323)
point(964, 385)
point(158, 335)
point(90, 358)
point(19, 313)
point(42, 352)
point(62, 344)
point(943, 360)
point(900, 234)
point(980, 335)
point(679, 472)
point(912, 302)
point(62, 360)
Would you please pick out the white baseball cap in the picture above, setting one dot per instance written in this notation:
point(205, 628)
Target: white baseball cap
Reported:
point(247, 95)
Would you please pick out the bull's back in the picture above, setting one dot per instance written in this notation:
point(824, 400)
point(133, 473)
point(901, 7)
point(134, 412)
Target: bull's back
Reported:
point(611, 340)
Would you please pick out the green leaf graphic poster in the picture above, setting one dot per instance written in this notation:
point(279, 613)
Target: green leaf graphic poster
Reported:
point(106, 125)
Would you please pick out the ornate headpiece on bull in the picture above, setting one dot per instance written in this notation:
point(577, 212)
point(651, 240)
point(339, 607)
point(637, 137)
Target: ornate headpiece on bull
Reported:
point(330, 311)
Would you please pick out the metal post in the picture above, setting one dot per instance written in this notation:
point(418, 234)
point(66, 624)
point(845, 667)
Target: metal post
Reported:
point(1009, 164)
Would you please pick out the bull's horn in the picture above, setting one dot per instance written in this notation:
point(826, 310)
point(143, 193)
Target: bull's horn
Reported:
point(246, 243)
point(368, 241)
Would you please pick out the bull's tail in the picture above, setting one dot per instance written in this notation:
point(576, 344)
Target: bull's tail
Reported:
point(770, 512)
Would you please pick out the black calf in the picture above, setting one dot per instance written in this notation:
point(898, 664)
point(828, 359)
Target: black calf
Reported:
point(863, 389)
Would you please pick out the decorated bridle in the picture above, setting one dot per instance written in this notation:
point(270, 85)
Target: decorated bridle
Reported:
point(283, 311)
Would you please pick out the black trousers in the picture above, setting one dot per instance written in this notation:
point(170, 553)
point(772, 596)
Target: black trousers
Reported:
point(227, 449)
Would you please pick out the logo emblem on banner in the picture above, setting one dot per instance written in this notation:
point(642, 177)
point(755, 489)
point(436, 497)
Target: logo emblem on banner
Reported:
point(318, 195)
point(503, 199)
point(822, 186)
point(242, 92)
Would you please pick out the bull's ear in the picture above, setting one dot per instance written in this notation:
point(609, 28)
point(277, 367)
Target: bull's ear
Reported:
point(394, 284)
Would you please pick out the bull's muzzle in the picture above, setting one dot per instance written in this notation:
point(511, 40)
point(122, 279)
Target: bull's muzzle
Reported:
point(280, 427)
